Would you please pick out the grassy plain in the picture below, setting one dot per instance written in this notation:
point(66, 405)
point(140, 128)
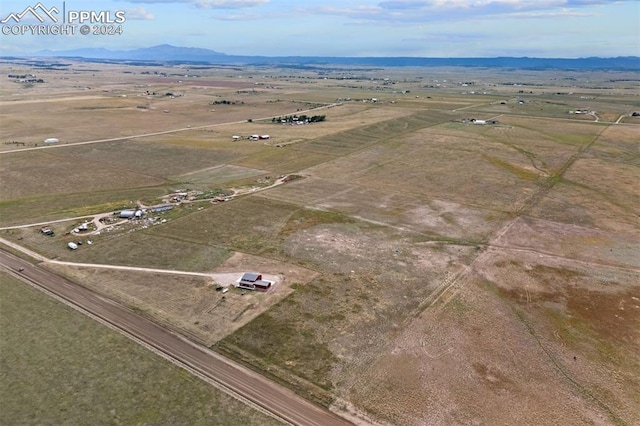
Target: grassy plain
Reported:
point(435, 270)
point(60, 367)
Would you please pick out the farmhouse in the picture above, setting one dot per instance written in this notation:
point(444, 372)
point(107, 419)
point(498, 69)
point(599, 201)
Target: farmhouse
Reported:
point(254, 281)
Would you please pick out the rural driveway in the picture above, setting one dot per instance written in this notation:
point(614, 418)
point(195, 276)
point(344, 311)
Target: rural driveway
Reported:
point(233, 378)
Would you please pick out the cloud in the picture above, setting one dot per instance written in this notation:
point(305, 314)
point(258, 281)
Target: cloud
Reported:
point(563, 13)
point(211, 4)
point(448, 38)
point(486, 4)
point(416, 11)
point(139, 13)
point(246, 17)
point(229, 4)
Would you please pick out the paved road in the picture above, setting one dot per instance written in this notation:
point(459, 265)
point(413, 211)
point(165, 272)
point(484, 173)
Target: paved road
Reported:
point(281, 402)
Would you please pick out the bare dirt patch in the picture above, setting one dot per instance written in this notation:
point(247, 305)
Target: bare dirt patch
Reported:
point(431, 165)
point(395, 209)
point(372, 280)
point(572, 241)
point(288, 274)
point(502, 341)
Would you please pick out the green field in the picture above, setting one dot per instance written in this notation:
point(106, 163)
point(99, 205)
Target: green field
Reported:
point(60, 367)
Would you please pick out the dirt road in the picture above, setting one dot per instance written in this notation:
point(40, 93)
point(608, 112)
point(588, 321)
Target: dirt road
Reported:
point(163, 132)
point(233, 378)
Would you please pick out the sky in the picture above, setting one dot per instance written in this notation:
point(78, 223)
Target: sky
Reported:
point(417, 28)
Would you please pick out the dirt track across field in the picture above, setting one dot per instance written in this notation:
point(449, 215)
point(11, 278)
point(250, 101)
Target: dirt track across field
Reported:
point(236, 380)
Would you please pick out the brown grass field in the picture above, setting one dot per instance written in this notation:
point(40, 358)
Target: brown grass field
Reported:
point(434, 271)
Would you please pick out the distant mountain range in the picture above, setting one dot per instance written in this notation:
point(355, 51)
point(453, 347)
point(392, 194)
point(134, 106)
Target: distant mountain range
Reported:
point(168, 53)
point(163, 52)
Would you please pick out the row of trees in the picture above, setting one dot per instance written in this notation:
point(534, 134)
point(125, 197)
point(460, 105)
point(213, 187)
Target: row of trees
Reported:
point(225, 102)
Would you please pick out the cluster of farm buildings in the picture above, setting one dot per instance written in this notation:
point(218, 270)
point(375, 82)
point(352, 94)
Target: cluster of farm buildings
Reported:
point(252, 137)
point(248, 281)
point(480, 122)
point(582, 111)
point(25, 78)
